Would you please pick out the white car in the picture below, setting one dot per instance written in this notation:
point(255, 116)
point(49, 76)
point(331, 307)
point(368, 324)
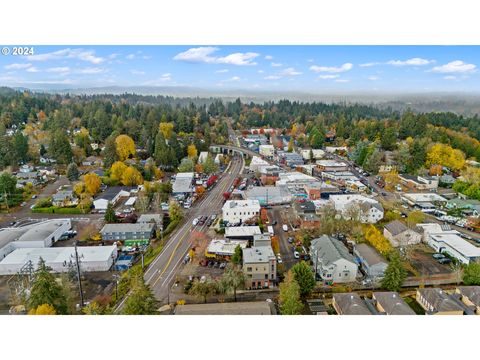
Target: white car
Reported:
point(195, 222)
point(296, 255)
point(285, 227)
point(279, 259)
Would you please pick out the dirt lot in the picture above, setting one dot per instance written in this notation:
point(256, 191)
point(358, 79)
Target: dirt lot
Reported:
point(421, 258)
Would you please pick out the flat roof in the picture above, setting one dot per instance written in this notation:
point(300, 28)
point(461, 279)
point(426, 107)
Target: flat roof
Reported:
point(456, 242)
point(58, 254)
point(331, 163)
point(234, 231)
point(138, 227)
point(236, 308)
point(424, 197)
point(38, 231)
point(183, 183)
point(239, 204)
point(225, 246)
point(258, 254)
point(369, 254)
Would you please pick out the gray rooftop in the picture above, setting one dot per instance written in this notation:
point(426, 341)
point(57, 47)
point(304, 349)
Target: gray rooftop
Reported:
point(258, 254)
point(472, 293)
point(396, 227)
point(369, 254)
point(138, 227)
point(440, 300)
point(330, 249)
point(392, 303)
point(146, 218)
point(351, 304)
point(183, 183)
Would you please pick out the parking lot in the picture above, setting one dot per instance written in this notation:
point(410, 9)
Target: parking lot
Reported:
point(422, 259)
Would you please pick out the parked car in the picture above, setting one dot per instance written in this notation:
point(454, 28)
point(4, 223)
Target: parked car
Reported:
point(34, 196)
point(290, 239)
point(285, 227)
point(223, 265)
point(195, 222)
point(444, 261)
point(279, 259)
point(210, 264)
point(216, 264)
point(296, 255)
point(438, 256)
point(274, 222)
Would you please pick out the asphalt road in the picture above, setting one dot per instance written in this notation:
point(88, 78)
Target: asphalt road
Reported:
point(286, 250)
point(161, 273)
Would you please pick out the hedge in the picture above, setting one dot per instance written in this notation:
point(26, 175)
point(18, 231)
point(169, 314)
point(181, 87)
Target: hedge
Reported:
point(59, 210)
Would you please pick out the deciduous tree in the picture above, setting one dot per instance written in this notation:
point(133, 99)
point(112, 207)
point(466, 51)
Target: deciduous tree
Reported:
point(92, 183)
point(289, 298)
point(305, 278)
point(125, 147)
point(395, 274)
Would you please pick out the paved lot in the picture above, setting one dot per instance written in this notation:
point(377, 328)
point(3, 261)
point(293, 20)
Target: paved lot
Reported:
point(280, 214)
point(426, 265)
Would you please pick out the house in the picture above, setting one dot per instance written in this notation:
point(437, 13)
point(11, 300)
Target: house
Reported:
point(224, 248)
point(391, 303)
point(350, 304)
point(259, 267)
point(110, 196)
point(436, 301)
point(400, 235)
point(305, 212)
point(370, 260)
point(239, 211)
point(469, 207)
point(366, 209)
point(227, 308)
point(470, 295)
point(202, 157)
point(93, 161)
point(333, 262)
point(419, 182)
point(266, 150)
point(129, 234)
point(32, 177)
point(182, 185)
point(156, 219)
point(64, 198)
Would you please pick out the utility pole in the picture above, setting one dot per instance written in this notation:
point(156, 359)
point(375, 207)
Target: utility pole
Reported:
point(77, 263)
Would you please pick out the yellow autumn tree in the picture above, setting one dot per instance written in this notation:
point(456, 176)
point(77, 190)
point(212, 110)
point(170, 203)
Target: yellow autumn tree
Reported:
point(166, 128)
point(117, 170)
point(79, 188)
point(375, 238)
point(445, 155)
point(294, 130)
point(192, 151)
point(125, 146)
point(92, 183)
point(391, 180)
point(44, 309)
point(131, 176)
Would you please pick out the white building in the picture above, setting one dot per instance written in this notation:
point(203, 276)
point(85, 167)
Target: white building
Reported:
point(450, 242)
point(307, 154)
point(224, 247)
point(266, 150)
point(423, 200)
point(332, 260)
point(367, 209)
point(40, 235)
point(242, 232)
point(257, 163)
point(400, 235)
point(239, 211)
point(110, 196)
point(183, 184)
point(60, 259)
point(202, 157)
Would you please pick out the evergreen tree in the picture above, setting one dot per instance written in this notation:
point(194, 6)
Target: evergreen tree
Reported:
point(110, 152)
point(289, 298)
point(237, 257)
point(110, 216)
point(304, 277)
point(20, 146)
point(141, 300)
point(395, 274)
point(72, 172)
point(46, 290)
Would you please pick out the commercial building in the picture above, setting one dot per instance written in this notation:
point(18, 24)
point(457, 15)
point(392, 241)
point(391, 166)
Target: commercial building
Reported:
point(60, 259)
point(454, 245)
point(262, 240)
point(128, 234)
point(350, 206)
point(400, 235)
point(266, 150)
point(391, 303)
point(39, 235)
point(350, 304)
point(259, 267)
point(370, 260)
point(183, 184)
point(419, 182)
point(333, 262)
point(242, 232)
point(256, 163)
point(423, 200)
point(268, 195)
point(331, 165)
point(436, 301)
point(290, 159)
point(312, 154)
point(340, 177)
point(202, 157)
point(239, 211)
point(224, 247)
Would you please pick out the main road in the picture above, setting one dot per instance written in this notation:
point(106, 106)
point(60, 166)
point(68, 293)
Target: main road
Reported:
point(161, 273)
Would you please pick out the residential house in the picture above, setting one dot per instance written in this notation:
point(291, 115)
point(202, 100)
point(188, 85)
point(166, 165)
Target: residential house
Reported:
point(306, 215)
point(436, 301)
point(366, 209)
point(400, 235)
point(370, 260)
point(350, 304)
point(470, 295)
point(64, 198)
point(110, 196)
point(469, 207)
point(259, 267)
point(156, 219)
point(391, 303)
point(92, 161)
point(128, 234)
point(333, 262)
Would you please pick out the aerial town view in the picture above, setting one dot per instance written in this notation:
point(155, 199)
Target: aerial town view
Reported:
point(244, 193)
